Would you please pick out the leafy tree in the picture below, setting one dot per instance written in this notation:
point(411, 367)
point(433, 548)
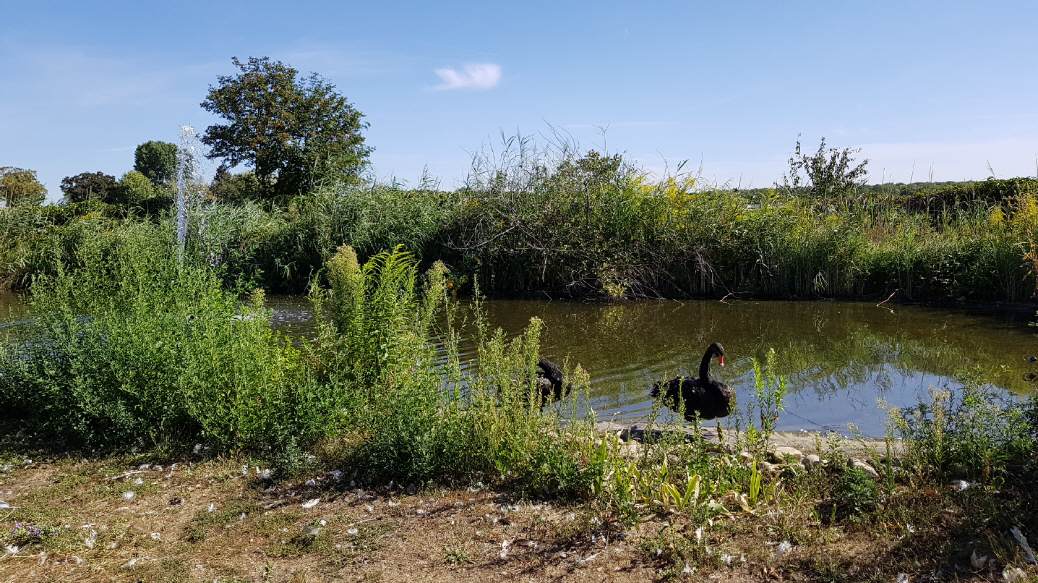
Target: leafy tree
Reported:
point(830, 174)
point(157, 161)
point(228, 187)
point(134, 188)
point(294, 132)
point(91, 186)
point(20, 187)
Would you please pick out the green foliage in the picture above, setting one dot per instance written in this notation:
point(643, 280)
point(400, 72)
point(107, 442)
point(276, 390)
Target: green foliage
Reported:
point(593, 225)
point(978, 436)
point(135, 188)
point(132, 348)
point(827, 175)
point(770, 390)
point(90, 186)
point(852, 495)
point(376, 346)
point(295, 133)
point(20, 187)
point(157, 161)
point(235, 188)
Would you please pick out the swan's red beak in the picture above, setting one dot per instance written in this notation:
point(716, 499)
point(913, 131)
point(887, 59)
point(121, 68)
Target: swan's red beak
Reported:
point(720, 360)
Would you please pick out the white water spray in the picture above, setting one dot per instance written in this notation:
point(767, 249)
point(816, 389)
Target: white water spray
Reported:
point(185, 171)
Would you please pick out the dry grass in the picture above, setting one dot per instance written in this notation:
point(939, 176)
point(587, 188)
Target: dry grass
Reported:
point(204, 520)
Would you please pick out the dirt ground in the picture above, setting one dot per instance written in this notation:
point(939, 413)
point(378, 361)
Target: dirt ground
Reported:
point(218, 520)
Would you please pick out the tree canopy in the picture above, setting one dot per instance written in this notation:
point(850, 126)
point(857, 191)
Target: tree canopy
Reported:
point(135, 188)
point(19, 186)
point(157, 161)
point(91, 186)
point(294, 132)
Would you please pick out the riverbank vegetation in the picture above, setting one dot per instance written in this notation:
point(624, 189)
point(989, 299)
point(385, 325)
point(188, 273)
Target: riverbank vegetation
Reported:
point(134, 350)
point(594, 226)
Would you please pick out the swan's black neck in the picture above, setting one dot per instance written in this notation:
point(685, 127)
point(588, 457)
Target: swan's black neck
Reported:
point(704, 367)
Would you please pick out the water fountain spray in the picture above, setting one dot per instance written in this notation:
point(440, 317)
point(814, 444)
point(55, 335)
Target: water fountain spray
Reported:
point(185, 169)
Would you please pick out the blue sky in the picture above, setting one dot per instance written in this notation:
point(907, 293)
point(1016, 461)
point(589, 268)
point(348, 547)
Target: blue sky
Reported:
point(727, 86)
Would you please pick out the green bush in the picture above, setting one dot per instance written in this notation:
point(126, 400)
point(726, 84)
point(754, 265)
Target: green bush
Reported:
point(132, 348)
point(979, 436)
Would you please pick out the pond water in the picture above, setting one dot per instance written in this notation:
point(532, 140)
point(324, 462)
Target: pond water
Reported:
point(845, 361)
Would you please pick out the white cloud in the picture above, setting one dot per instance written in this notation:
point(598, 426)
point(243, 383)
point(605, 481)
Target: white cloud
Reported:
point(479, 76)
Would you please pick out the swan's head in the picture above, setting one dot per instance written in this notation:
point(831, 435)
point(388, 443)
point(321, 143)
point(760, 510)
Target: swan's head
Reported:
point(717, 350)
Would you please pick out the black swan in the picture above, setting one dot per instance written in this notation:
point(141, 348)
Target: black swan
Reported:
point(550, 383)
point(702, 397)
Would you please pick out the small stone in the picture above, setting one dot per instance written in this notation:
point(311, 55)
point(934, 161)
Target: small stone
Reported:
point(785, 453)
point(143, 467)
point(769, 468)
point(857, 463)
point(811, 460)
point(1025, 546)
point(959, 485)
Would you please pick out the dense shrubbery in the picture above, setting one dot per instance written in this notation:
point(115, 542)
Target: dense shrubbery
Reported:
point(131, 347)
point(596, 226)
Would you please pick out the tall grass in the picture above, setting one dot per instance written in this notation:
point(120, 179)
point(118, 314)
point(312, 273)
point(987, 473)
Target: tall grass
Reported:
point(593, 225)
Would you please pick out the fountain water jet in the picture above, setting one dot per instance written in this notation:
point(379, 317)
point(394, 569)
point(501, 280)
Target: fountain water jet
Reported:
point(185, 171)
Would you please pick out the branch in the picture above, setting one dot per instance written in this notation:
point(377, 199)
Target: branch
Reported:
point(890, 297)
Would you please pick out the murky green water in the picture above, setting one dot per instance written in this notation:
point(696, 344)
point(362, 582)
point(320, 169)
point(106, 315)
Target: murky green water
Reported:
point(13, 313)
point(842, 359)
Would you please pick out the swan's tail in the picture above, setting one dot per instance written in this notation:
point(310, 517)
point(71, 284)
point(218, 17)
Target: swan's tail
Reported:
point(655, 392)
